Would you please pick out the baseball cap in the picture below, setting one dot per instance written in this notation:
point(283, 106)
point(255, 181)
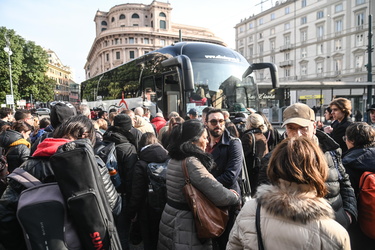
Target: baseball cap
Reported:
point(298, 113)
point(372, 107)
point(192, 112)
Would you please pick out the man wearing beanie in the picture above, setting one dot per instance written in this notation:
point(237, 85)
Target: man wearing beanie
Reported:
point(299, 120)
point(126, 154)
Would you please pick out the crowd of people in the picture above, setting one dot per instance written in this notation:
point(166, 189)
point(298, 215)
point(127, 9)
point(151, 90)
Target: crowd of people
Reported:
point(305, 182)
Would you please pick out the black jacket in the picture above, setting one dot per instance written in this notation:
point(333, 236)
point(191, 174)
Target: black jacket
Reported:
point(127, 157)
point(357, 161)
point(17, 154)
point(340, 192)
point(152, 153)
point(338, 132)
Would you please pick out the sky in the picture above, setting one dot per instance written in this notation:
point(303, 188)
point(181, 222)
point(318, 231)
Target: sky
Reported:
point(67, 26)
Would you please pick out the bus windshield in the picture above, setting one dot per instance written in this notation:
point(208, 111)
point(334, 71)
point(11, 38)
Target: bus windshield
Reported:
point(220, 85)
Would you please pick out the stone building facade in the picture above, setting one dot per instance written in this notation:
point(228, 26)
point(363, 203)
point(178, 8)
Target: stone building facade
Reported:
point(128, 31)
point(313, 40)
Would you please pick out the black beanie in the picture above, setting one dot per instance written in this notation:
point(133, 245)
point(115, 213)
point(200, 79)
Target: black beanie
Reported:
point(60, 111)
point(123, 121)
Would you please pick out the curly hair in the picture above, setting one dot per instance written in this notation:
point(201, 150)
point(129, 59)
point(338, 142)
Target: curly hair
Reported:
point(343, 104)
point(361, 135)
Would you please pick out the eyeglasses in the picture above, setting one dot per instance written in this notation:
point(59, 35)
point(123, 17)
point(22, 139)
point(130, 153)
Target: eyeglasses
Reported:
point(344, 138)
point(214, 122)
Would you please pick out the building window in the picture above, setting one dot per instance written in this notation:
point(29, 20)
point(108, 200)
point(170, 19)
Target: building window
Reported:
point(272, 59)
point(338, 26)
point(286, 26)
point(116, 41)
point(146, 41)
point(272, 31)
point(287, 56)
point(107, 57)
point(287, 10)
point(251, 25)
point(303, 3)
point(303, 52)
point(319, 14)
point(319, 67)
point(286, 39)
point(261, 48)
point(131, 40)
point(273, 16)
point(357, 2)
point(113, 19)
point(122, 16)
point(339, 7)
point(304, 70)
point(131, 54)
point(162, 42)
point(261, 21)
point(104, 23)
point(338, 65)
point(135, 15)
point(338, 45)
point(359, 61)
point(163, 24)
point(320, 31)
point(303, 20)
point(118, 55)
point(162, 14)
point(260, 35)
point(286, 72)
point(103, 29)
point(359, 40)
point(320, 49)
point(250, 38)
point(272, 45)
point(303, 35)
point(251, 51)
point(360, 19)
point(242, 29)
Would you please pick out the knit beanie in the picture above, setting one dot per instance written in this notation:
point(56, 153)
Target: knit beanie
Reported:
point(60, 111)
point(123, 121)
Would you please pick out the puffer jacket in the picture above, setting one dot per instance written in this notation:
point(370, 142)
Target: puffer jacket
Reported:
point(158, 122)
point(16, 148)
point(177, 229)
point(340, 192)
point(291, 217)
point(357, 161)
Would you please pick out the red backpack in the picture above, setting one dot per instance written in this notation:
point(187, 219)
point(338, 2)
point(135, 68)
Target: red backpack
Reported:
point(366, 204)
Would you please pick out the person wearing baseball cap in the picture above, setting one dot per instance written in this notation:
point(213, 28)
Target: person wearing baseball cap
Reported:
point(299, 120)
point(193, 113)
point(371, 111)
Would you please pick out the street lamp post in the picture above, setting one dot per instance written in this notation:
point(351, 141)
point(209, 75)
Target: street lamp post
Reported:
point(9, 52)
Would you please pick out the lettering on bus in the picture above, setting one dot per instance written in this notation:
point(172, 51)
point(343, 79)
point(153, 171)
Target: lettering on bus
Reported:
point(222, 57)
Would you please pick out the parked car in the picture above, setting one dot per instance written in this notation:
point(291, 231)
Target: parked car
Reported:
point(43, 111)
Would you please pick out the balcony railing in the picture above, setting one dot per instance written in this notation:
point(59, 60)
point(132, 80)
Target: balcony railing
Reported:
point(286, 63)
point(286, 47)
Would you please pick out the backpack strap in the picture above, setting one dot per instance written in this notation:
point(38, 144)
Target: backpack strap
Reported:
point(336, 163)
point(24, 178)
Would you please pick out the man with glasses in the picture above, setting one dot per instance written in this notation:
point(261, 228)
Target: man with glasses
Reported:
point(25, 116)
point(299, 120)
point(227, 154)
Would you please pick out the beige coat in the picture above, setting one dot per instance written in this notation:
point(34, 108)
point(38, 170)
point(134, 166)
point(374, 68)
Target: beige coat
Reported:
point(292, 217)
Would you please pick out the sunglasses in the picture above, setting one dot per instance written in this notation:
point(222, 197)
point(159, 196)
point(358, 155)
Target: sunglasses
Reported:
point(214, 122)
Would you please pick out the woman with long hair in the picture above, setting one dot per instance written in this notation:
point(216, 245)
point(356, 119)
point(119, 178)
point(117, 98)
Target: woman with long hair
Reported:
point(177, 229)
point(293, 213)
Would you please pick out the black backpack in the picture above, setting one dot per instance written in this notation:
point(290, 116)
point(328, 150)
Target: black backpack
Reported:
point(43, 215)
point(157, 192)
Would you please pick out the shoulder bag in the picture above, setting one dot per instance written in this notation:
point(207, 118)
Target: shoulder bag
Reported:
point(210, 221)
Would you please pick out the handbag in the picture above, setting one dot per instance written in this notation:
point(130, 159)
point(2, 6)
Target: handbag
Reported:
point(210, 221)
point(259, 232)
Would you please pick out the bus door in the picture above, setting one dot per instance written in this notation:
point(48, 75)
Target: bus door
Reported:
point(150, 93)
point(172, 93)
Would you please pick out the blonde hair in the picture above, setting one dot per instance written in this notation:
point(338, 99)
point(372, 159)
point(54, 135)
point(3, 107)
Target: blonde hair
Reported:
point(256, 121)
